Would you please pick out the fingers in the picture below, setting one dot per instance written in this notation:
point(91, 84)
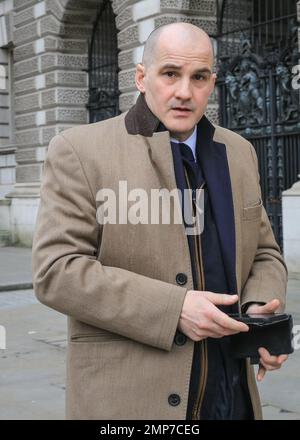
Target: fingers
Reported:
point(230, 324)
point(270, 307)
point(261, 373)
point(268, 359)
point(282, 358)
point(221, 299)
point(211, 322)
point(226, 324)
point(213, 329)
point(270, 362)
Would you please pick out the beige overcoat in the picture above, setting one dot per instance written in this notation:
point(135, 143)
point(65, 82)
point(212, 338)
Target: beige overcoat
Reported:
point(117, 282)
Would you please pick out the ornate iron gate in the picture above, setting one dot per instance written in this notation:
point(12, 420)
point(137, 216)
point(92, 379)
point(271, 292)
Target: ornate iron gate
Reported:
point(257, 48)
point(103, 66)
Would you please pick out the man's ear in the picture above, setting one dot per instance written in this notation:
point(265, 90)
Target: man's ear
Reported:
point(214, 78)
point(139, 77)
point(213, 81)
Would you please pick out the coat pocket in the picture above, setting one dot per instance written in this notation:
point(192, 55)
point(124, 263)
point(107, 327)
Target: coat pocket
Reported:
point(253, 212)
point(100, 336)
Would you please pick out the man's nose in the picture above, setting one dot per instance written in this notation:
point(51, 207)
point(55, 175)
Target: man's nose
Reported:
point(183, 90)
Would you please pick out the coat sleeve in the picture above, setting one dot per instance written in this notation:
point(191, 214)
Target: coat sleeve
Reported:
point(67, 275)
point(268, 275)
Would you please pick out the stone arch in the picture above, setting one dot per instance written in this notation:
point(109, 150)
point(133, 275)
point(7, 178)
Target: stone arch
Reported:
point(103, 65)
point(50, 86)
point(51, 91)
point(70, 24)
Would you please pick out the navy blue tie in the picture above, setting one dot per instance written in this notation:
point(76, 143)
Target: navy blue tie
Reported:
point(192, 167)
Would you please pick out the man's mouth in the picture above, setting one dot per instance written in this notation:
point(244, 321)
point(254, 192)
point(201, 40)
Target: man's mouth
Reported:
point(182, 109)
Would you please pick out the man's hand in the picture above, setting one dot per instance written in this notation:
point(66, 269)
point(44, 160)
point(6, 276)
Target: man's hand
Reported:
point(200, 318)
point(267, 362)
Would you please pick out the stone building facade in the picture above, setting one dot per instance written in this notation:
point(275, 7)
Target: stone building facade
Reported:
point(44, 83)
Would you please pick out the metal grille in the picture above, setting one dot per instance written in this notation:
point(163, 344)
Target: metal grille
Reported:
point(257, 48)
point(103, 66)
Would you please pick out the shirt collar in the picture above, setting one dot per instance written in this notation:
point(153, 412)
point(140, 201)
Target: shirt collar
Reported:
point(191, 141)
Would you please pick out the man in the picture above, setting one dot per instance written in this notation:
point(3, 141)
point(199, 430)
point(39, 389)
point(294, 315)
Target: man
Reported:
point(147, 303)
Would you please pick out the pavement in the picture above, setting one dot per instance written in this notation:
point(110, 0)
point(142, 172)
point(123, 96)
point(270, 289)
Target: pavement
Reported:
point(32, 366)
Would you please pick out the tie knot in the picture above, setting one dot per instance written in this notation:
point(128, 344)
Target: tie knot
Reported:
point(188, 159)
point(186, 152)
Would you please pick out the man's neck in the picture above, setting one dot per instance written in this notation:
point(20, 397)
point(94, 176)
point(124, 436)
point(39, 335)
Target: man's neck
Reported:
point(180, 137)
point(190, 141)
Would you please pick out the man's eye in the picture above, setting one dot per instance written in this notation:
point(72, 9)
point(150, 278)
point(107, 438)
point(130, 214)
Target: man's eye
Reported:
point(170, 74)
point(199, 77)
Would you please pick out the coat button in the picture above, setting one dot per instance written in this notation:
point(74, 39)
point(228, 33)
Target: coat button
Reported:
point(181, 279)
point(174, 399)
point(180, 338)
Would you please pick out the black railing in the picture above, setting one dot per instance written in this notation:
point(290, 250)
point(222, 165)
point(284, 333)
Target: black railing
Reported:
point(103, 66)
point(257, 48)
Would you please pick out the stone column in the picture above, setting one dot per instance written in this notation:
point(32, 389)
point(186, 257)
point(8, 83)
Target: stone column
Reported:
point(291, 229)
point(291, 216)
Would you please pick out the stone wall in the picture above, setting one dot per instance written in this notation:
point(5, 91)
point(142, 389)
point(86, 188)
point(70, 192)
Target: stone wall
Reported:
point(7, 149)
point(49, 42)
point(5, 42)
point(50, 80)
point(4, 97)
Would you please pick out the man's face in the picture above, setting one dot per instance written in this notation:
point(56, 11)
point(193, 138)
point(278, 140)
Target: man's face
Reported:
point(177, 84)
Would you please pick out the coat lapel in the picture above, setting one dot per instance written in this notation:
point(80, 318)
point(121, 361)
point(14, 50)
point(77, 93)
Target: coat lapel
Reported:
point(160, 153)
point(235, 179)
point(213, 159)
point(139, 120)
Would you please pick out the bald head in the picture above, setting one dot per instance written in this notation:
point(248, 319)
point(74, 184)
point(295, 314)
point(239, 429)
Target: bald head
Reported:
point(183, 33)
point(176, 76)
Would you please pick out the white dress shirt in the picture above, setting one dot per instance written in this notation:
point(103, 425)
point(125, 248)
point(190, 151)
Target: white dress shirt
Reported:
point(191, 141)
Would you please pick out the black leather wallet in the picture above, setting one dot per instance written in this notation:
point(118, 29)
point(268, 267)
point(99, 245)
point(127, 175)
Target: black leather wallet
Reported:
point(271, 331)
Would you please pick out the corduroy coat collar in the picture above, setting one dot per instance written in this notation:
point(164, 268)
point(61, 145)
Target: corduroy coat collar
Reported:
point(140, 120)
